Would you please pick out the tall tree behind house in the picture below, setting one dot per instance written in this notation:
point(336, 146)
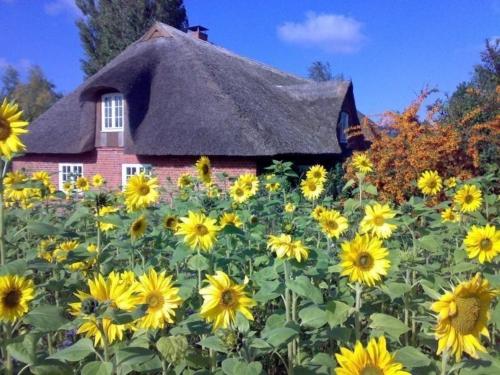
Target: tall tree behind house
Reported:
point(10, 79)
point(109, 26)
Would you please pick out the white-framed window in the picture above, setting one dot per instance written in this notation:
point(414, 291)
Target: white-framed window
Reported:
point(343, 126)
point(112, 112)
point(129, 170)
point(69, 172)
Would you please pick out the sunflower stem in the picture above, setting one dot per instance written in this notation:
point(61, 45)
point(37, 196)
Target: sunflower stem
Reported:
point(444, 361)
point(357, 315)
point(2, 229)
point(288, 313)
point(9, 365)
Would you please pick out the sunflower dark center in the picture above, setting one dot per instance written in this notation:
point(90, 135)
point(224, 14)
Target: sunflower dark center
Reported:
point(365, 261)
point(137, 226)
point(170, 222)
point(312, 186)
point(467, 316)
point(201, 230)
point(486, 244)
point(144, 190)
point(371, 370)
point(154, 300)
point(317, 174)
point(468, 198)
point(205, 169)
point(227, 298)
point(432, 184)
point(240, 192)
point(5, 129)
point(12, 298)
point(378, 220)
point(332, 224)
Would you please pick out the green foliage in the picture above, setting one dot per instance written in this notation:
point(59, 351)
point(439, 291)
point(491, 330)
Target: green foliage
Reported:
point(305, 311)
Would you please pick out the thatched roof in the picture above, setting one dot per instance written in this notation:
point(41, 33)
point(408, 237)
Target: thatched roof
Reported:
point(189, 97)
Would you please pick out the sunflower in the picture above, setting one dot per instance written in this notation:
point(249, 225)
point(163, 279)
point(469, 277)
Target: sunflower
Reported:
point(430, 183)
point(98, 180)
point(13, 191)
point(286, 248)
point(271, 184)
point(290, 207)
point(82, 184)
point(463, 315)
point(317, 173)
point(103, 211)
point(374, 360)
point(15, 294)
point(222, 299)
point(86, 264)
point(11, 127)
point(469, 198)
point(332, 223)
point(483, 243)
point(141, 191)
point(102, 290)
point(250, 183)
point(375, 220)
point(450, 182)
point(364, 259)
point(63, 249)
point(311, 189)
point(41, 176)
point(230, 218)
point(46, 249)
point(68, 187)
point(362, 163)
point(184, 181)
point(138, 228)
point(204, 169)
point(156, 291)
point(239, 192)
point(170, 222)
point(450, 215)
point(317, 212)
point(198, 230)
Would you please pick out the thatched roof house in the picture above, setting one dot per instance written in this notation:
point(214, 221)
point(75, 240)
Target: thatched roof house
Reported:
point(170, 97)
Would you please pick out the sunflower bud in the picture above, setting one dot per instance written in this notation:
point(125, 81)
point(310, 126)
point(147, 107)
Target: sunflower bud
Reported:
point(89, 306)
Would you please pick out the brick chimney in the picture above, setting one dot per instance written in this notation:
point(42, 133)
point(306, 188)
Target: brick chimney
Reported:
point(198, 32)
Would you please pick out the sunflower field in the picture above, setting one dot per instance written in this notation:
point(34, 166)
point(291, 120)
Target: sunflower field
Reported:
point(246, 275)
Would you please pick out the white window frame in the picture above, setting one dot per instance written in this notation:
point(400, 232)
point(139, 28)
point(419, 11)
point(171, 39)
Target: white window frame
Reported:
point(73, 172)
point(115, 112)
point(343, 126)
point(139, 168)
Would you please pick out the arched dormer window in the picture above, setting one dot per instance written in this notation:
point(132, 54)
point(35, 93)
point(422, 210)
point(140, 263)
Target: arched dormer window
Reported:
point(112, 112)
point(343, 126)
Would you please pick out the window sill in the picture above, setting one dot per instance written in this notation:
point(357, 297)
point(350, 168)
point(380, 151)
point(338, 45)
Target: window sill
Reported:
point(111, 130)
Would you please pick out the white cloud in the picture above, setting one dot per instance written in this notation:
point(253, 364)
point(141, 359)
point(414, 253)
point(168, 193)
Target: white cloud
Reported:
point(331, 32)
point(57, 7)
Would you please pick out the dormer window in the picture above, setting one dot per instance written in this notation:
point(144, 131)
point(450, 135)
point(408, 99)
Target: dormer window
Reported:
point(343, 126)
point(112, 112)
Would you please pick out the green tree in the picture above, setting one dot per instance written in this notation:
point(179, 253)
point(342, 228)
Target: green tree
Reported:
point(109, 26)
point(475, 102)
point(321, 71)
point(36, 95)
point(10, 79)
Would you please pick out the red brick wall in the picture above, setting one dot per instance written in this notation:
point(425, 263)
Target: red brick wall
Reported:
point(108, 162)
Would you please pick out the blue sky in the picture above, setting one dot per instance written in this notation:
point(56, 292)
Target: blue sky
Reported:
point(389, 48)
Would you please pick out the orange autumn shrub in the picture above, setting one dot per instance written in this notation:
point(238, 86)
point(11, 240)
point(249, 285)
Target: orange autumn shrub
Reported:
point(407, 146)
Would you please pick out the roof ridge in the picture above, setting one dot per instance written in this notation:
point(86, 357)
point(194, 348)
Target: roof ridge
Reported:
point(225, 51)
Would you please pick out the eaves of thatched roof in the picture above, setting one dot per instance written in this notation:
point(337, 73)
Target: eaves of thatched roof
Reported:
point(189, 97)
